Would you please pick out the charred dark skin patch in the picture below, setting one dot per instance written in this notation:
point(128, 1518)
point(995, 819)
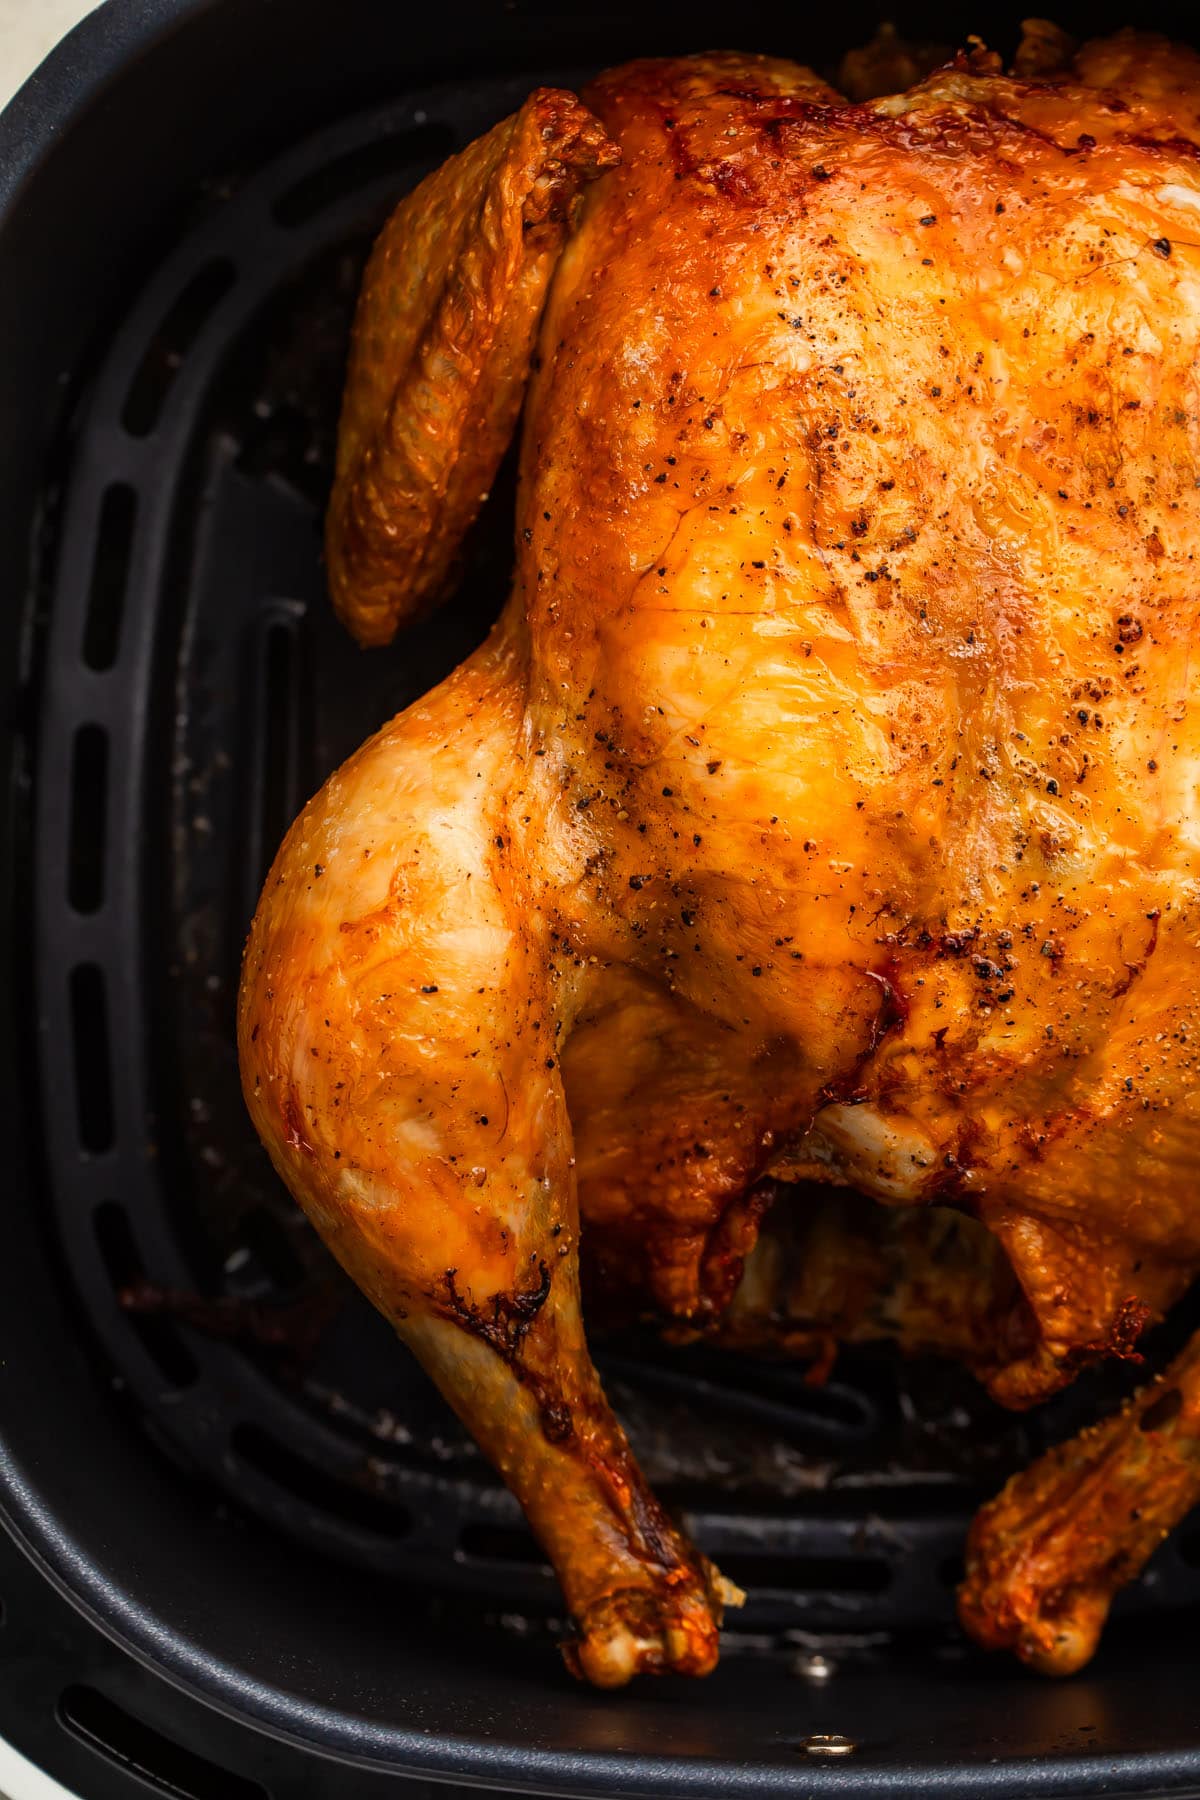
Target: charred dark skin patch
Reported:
point(503, 1322)
point(1120, 1340)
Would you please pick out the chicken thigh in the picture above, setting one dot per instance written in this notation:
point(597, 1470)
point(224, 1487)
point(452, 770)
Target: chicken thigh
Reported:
point(823, 806)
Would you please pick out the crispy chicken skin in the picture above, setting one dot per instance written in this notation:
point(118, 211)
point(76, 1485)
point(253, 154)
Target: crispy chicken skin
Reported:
point(823, 806)
point(442, 341)
point(1047, 1556)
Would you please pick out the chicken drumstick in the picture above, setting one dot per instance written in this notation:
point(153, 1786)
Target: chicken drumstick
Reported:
point(1047, 1556)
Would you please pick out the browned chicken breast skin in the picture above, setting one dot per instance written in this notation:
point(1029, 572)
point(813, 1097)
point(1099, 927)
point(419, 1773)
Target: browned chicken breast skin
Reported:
point(823, 806)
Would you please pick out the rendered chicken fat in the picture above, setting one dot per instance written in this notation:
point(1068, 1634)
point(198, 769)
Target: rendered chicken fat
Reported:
point(823, 807)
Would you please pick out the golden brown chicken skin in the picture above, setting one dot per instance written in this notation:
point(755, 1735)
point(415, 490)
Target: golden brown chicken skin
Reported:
point(450, 306)
point(823, 805)
point(1047, 1556)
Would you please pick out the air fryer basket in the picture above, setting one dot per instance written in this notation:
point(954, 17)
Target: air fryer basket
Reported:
point(210, 1443)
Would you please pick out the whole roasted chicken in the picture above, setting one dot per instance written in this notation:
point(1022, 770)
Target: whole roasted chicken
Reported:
point(824, 807)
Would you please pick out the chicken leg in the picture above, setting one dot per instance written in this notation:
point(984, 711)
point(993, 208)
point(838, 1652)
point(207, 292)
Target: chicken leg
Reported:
point(397, 1042)
point(1047, 1557)
point(396, 1028)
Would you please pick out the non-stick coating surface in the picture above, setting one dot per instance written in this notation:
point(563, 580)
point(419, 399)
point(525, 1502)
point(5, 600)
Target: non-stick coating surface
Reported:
point(161, 102)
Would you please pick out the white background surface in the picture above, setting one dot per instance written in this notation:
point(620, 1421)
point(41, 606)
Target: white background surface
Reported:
point(28, 29)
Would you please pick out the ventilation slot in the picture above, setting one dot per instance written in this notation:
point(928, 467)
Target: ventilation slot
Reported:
point(116, 1735)
point(502, 1543)
point(951, 1570)
point(267, 1241)
point(174, 338)
point(89, 790)
point(281, 752)
point(807, 1574)
point(1188, 1546)
point(110, 577)
point(339, 1499)
point(360, 168)
point(93, 1068)
point(277, 757)
point(125, 1269)
point(780, 1399)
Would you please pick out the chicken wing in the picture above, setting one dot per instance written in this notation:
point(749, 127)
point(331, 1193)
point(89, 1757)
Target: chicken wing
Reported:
point(440, 354)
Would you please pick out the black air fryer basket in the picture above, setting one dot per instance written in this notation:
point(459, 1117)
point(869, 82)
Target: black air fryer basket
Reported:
point(249, 1552)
